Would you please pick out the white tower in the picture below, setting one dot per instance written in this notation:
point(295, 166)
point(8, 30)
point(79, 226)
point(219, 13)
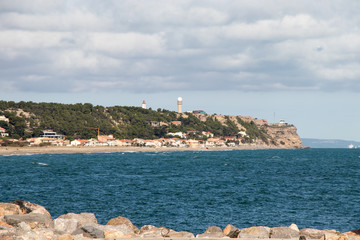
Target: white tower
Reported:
point(179, 104)
point(143, 105)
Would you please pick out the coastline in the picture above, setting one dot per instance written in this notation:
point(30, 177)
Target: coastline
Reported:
point(105, 149)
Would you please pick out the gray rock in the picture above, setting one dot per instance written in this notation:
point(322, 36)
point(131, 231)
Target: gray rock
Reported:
point(312, 233)
point(35, 220)
point(63, 226)
point(255, 232)
point(181, 234)
point(283, 232)
point(83, 218)
point(90, 231)
point(24, 226)
point(213, 229)
point(150, 231)
point(212, 232)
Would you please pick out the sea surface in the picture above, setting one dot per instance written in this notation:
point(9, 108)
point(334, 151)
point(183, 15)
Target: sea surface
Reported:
point(191, 190)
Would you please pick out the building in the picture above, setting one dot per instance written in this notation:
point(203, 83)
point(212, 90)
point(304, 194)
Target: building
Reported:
point(51, 134)
point(179, 105)
point(3, 132)
point(199, 112)
point(176, 123)
point(143, 105)
point(3, 118)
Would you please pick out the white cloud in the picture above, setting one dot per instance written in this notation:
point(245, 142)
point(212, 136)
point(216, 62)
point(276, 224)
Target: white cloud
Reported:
point(127, 43)
point(171, 45)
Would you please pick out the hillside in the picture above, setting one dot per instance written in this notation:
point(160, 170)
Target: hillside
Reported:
point(29, 119)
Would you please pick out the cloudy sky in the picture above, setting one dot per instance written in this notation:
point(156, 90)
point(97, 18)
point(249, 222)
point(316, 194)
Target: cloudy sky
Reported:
point(271, 59)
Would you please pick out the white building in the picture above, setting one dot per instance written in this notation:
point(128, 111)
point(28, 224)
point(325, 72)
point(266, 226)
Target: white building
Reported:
point(3, 132)
point(3, 118)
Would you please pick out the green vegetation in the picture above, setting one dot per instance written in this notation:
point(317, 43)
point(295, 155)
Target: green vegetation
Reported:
point(29, 119)
point(253, 131)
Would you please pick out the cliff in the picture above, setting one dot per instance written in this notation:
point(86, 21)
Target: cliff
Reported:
point(279, 135)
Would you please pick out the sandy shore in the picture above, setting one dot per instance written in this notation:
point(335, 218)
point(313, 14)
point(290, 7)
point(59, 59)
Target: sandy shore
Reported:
point(54, 149)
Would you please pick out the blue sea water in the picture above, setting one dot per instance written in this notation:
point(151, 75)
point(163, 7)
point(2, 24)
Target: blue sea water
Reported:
point(189, 191)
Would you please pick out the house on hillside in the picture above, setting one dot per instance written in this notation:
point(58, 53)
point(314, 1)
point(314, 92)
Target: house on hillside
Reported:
point(3, 118)
point(52, 134)
point(176, 123)
point(105, 138)
point(3, 132)
point(177, 134)
point(123, 142)
point(208, 134)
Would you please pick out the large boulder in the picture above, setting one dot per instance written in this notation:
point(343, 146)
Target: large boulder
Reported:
point(82, 218)
point(35, 220)
point(231, 231)
point(212, 232)
point(181, 234)
point(283, 232)
point(312, 233)
point(294, 227)
point(63, 226)
point(108, 231)
point(151, 231)
point(123, 220)
point(28, 207)
point(93, 232)
point(9, 209)
point(255, 232)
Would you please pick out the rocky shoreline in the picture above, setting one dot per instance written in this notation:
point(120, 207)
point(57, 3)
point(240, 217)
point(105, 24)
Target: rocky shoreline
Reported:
point(22, 220)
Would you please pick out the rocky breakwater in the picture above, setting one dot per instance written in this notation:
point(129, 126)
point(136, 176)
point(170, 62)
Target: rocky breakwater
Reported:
point(22, 220)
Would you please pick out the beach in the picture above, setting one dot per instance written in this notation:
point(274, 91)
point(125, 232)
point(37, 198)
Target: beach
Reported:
point(104, 149)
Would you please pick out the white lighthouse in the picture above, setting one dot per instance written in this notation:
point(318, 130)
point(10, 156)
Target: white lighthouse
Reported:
point(179, 104)
point(143, 105)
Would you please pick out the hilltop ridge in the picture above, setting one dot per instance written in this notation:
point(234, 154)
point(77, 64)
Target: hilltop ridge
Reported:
point(80, 121)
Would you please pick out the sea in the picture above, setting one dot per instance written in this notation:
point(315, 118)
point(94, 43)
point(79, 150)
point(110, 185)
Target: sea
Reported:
point(192, 190)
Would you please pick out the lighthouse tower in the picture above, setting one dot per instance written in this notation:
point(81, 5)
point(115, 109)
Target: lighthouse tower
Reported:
point(179, 104)
point(143, 105)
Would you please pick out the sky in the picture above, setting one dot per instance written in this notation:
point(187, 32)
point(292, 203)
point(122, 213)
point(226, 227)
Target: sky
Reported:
point(269, 59)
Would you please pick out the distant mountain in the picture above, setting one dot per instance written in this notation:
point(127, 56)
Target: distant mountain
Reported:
point(328, 143)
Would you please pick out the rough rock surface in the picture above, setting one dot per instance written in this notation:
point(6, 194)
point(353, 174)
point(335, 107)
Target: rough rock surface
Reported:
point(212, 232)
point(312, 233)
point(294, 227)
point(83, 218)
point(283, 232)
point(123, 220)
point(255, 232)
point(35, 220)
point(31, 222)
point(9, 209)
point(231, 231)
point(28, 207)
point(64, 226)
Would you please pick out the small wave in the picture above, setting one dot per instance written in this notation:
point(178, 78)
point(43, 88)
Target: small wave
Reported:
point(40, 163)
